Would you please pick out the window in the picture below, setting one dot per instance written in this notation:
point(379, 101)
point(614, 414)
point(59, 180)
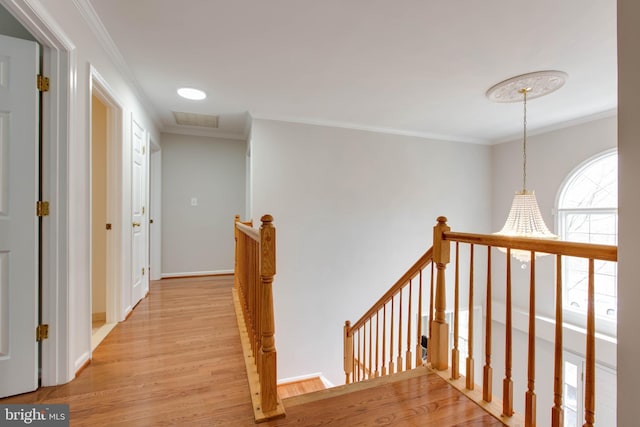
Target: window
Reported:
point(588, 212)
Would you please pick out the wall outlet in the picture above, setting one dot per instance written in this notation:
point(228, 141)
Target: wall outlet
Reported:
point(194, 201)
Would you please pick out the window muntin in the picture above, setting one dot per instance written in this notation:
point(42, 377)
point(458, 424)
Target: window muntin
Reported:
point(588, 212)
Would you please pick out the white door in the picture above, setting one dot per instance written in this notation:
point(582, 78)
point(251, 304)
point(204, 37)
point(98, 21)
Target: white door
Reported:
point(140, 277)
point(18, 222)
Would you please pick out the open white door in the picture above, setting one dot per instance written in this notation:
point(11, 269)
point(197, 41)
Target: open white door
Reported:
point(139, 248)
point(18, 221)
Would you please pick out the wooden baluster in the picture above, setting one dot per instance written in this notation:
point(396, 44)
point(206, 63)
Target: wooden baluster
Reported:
point(470, 380)
point(354, 368)
point(487, 385)
point(530, 395)
point(440, 329)
point(348, 352)
point(391, 327)
point(257, 301)
point(455, 352)
point(370, 370)
point(357, 362)
point(363, 362)
point(377, 372)
point(557, 413)
point(268, 378)
point(590, 362)
point(407, 356)
point(251, 297)
point(384, 340)
point(419, 341)
point(399, 361)
point(507, 383)
point(431, 301)
point(259, 306)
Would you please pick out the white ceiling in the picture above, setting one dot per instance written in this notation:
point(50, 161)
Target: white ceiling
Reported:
point(417, 67)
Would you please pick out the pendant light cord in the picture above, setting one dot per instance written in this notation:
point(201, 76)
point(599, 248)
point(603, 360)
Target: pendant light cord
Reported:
point(524, 141)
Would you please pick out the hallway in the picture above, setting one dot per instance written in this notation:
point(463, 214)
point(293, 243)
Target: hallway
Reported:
point(177, 360)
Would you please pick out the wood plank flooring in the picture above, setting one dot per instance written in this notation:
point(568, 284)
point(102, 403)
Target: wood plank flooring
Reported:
point(178, 361)
point(296, 388)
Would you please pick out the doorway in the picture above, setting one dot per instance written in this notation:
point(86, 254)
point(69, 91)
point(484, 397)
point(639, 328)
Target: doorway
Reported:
point(106, 138)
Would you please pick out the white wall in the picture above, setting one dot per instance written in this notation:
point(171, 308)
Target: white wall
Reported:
point(629, 210)
point(353, 210)
point(199, 239)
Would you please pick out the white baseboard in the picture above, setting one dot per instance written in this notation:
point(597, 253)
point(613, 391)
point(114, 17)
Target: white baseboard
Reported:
point(197, 273)
point(324, 380)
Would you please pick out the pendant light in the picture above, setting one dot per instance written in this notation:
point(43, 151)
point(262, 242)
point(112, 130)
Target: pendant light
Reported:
point(525, 219)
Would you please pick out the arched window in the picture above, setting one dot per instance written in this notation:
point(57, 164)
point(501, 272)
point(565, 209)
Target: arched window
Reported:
point(588, 212)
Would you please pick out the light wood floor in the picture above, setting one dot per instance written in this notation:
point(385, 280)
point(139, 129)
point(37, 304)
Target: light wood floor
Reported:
point(178, 361)
point(296, 388)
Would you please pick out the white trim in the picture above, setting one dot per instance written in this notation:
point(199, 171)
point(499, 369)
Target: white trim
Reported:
point(80, 361)
point(613, 112)
point(60, 64)
point(115, 112)
point(205, 132)
point(376, 129)
point(325, 381)
point(92, 19)
point(574, 171)
point(197, 273)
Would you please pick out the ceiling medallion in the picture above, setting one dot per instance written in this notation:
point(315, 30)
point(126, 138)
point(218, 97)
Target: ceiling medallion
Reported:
point(538, 83)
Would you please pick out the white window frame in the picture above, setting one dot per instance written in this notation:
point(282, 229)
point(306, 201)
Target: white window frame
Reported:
point(577, 316)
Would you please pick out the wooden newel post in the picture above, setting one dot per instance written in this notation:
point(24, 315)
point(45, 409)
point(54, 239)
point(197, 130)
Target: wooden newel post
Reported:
point(348, 353)
point(440, 329)
point(268, 374)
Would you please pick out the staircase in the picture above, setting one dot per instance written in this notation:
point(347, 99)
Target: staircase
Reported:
point(416, 397)
point(387, 380)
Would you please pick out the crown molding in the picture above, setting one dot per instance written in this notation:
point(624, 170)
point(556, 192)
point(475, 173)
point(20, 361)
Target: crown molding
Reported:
point(613, 112)
point(204, 132)
point(375, 129)
point(92, 19)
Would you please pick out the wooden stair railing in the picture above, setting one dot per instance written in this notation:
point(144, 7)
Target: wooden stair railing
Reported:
point(363, 339)
point(255, 267)
point(590, 252)
point(387, 338)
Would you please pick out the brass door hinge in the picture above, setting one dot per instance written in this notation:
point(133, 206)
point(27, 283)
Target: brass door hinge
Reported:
point(143, 271)
point(42, 208)
point(43, 83)
point(42, 332)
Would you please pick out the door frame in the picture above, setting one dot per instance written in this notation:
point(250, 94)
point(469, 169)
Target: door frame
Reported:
point(99, 87)
point(59, 64)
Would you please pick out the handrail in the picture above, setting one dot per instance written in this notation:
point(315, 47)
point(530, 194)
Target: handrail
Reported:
point(413, 270)
point(255, 267)
point(556, 247)
point(249, 231)
point(363, 339)
point(385, 340)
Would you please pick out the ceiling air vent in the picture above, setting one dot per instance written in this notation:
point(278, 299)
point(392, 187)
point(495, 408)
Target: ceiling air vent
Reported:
point(193, 119)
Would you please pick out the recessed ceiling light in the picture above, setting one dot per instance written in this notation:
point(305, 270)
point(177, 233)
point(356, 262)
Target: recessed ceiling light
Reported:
point(191, 93)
